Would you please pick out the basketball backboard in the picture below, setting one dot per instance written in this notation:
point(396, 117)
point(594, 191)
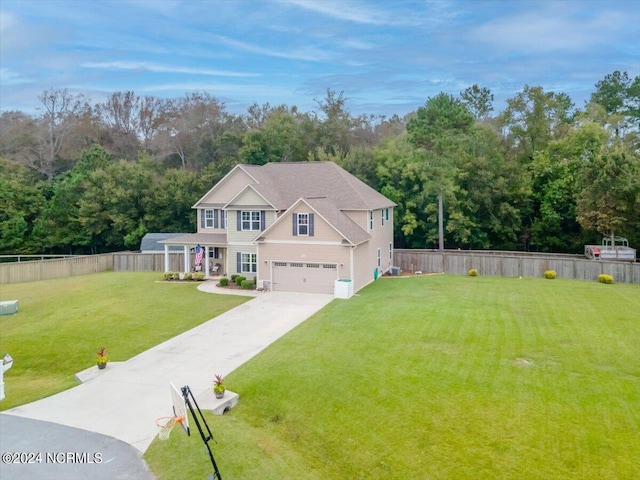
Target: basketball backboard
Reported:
point(180, 407)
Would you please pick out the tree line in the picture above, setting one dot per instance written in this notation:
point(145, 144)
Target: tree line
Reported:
point(542, 175)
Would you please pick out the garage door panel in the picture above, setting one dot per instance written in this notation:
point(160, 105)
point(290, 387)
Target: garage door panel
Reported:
point(304, 277)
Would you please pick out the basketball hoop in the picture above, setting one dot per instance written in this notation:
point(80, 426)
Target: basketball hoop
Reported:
point(167, 426)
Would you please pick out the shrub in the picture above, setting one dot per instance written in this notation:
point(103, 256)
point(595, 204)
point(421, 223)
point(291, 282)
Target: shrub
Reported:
point(224, 281)
point(550, 274)
point(604, 278)
point(188, 276)
point(239, 279)
point(198, 277)
point(248, 284)
point(175, 276)
point(473, 272)
point(233, 277)
point(168, 275)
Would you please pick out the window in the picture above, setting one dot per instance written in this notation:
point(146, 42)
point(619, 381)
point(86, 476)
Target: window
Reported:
point(208, 218)
point(379, 257)
point(303, 224)
point(248, 263)
point(370, 219)
point(382, 217)
point(224, 220)
point(386, 214)
point(250, 220)
point(390, 251)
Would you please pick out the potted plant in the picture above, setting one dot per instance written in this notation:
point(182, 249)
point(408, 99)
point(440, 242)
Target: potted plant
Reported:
point(101, 358)
point(218, 386)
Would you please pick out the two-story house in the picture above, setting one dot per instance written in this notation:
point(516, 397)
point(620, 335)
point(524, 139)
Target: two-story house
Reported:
point(294, 226)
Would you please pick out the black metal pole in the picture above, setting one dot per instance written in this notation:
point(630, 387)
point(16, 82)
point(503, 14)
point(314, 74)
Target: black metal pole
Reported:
point(188, 398)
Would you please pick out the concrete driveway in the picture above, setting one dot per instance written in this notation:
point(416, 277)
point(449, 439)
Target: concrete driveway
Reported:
point(124, 400)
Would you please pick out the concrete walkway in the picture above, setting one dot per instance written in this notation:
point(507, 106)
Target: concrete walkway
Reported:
point(124, 400)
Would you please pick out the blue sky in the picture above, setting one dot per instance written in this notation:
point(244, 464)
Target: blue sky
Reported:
point(388, 56)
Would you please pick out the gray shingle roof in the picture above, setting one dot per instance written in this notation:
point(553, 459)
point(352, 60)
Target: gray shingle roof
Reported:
point(284, 183)
point(150, 242)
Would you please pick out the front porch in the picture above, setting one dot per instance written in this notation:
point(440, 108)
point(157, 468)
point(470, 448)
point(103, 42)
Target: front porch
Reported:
point(214, 253)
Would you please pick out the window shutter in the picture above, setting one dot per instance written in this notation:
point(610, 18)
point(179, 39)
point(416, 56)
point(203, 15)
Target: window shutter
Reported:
point(215, 217)
point(311, 224)
point(239, 262)
point(222, 224)
point(294, 217)
point(239, 220)
point(202, 220)
point(263, 220)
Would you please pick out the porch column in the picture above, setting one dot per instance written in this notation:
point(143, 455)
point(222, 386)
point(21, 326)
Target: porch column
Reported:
point(205, 262)
point(186, 259)
point(166, 257)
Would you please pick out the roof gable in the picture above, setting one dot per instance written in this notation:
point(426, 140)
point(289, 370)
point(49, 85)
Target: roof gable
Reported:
point(335, 219)
point(228, 187)
point(249, 196)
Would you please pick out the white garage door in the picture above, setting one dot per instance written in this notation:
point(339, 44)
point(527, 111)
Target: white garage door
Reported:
point(304, 277)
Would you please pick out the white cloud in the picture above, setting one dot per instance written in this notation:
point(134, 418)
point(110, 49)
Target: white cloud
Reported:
point(555, 29)
point(309, 54)
point(154, 67)
point(7, 77)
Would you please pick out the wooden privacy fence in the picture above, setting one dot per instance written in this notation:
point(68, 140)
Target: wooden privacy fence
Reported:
point(514, 264)
point(146, 262)
point(35, 270)
point(32, 271)
point(502, 264)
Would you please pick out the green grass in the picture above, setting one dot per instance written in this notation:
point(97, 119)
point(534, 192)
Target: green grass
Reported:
point(437, 377)
point(62, 323)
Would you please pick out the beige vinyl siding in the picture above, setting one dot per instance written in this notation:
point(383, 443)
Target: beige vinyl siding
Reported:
point(380, 238)
point(361, 217)
point(232, 259)
point(323, 232)
point(202, 229)
point(245, 236)
point(249, 197)
point(363, 268)
point(228, 189)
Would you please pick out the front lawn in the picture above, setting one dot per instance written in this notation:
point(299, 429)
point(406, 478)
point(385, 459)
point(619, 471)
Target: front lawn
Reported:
point(62, 323)
point(437, 377)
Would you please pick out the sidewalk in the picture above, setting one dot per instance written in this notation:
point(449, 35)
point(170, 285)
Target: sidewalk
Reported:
point(124, 400)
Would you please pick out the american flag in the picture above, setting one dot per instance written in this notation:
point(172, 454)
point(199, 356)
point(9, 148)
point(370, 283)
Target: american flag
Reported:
point(199, 253)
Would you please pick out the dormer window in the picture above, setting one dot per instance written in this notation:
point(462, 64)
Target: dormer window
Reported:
point(303, 224)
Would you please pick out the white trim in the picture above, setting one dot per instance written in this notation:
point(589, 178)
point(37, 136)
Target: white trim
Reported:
point(242, 262)
point(304, 242)
point(251, 220)
point(351, 262)
point(230, 204)
point(237, 167)
point(298, 225)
